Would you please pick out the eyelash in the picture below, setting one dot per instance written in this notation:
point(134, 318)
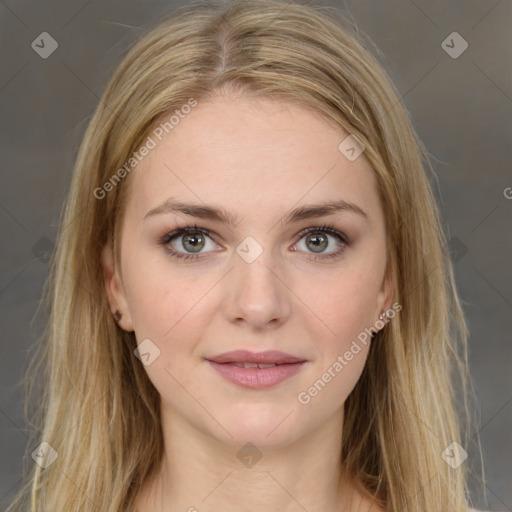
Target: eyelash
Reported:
point(326, 228)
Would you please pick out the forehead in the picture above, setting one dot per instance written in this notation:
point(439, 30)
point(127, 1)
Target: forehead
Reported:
point(251, 155)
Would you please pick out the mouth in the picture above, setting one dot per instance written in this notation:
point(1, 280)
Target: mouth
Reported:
point(256, 370)
point(253, 365)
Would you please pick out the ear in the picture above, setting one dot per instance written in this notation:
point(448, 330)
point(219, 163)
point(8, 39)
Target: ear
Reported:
point(114, 288)
point(385, 296)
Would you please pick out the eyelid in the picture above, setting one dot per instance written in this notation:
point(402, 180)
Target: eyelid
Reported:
point(325, 228)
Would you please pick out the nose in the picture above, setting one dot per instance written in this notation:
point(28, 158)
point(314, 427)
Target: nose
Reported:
point(256, 293)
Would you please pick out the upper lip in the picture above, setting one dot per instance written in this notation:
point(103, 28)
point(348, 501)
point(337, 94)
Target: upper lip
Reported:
point(266, 357)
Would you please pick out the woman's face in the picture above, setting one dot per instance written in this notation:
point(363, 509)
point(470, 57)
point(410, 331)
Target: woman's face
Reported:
point(252, 280)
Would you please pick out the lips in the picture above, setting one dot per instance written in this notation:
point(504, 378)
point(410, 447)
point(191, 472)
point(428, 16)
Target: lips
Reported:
point(256, 370)
point(273, 357)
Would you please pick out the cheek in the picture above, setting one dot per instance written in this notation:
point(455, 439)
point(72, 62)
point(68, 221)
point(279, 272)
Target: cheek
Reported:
point(168, 307)
point(345, 302)
point(162, 299)
point(345, 309)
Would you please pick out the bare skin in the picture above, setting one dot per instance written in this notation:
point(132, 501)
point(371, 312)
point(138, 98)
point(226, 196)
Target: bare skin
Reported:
point(258, 160)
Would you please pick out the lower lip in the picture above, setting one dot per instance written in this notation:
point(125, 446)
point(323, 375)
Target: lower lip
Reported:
point(256, 378)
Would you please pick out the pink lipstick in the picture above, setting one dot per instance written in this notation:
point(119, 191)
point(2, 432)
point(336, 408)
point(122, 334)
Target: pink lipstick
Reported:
point(256, 370)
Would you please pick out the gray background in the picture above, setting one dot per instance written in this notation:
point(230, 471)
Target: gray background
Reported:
point(460, 107)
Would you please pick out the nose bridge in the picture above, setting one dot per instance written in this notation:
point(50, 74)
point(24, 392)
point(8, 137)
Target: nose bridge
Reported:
point(255, 268)
point(256, 292)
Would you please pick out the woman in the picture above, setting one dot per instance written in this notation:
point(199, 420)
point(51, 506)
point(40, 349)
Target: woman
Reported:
point(252, 304)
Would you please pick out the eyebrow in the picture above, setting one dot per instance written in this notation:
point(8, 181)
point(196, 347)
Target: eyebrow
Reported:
point(219, 214)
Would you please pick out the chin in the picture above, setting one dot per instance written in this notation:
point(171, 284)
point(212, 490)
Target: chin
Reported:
point(265, 426)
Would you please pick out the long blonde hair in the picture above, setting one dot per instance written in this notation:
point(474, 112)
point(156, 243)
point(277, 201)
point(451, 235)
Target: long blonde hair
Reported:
point(98, 409)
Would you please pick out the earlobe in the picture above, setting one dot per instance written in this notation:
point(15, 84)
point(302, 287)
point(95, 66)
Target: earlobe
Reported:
point(114, 290)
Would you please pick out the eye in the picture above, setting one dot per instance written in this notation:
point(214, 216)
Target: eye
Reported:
point(188, 243)
point(192, 239)
point(316, 239)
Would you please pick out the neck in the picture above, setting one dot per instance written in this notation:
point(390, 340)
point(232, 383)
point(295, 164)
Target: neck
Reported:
point(200, 474)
